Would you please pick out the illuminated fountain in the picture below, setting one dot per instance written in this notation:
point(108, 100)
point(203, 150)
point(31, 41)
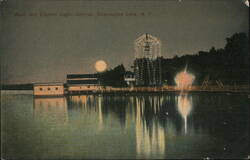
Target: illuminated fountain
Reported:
point(184, 80)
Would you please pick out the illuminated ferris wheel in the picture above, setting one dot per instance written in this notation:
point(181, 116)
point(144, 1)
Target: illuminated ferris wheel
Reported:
point(147, 46)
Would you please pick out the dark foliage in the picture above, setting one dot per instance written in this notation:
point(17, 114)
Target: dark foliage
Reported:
point(17, 87)
point(114, 77)
point(230, 65)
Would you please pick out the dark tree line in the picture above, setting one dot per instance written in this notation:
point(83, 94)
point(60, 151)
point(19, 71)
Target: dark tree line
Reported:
point(28, 86)
point(230, 64)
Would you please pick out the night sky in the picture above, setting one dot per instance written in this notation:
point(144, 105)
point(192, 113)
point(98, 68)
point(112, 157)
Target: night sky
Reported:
point(40, 48)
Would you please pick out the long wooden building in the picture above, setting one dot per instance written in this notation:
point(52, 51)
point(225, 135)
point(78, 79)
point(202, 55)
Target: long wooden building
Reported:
point(77, 83)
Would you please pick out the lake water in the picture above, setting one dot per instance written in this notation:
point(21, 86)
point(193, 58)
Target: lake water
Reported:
point(124, 126)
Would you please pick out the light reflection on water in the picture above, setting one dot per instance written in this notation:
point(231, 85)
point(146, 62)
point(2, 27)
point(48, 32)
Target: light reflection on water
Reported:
point(149, 139)
point(141, 126)
point(54, 110)
point(184, 105)
point(143, 111)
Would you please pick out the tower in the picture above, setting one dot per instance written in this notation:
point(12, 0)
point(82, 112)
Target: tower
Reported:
point(147, 64)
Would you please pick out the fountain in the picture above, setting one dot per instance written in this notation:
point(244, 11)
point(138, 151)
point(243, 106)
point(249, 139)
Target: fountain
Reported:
point(184, 81)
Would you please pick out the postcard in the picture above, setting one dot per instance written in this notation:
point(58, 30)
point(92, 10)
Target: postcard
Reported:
point(124, 79)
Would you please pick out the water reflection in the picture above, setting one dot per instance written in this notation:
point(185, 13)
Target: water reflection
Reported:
point(100, 117)
point(151, 126)
point(138, 112)
point(53, 110)
point(184, 105)
point(145, 114)
point(153, 116)
point(150, 135)
point(85, 108)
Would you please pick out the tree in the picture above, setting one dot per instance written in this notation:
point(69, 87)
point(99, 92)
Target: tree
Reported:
point(229, 64)
point(114, 77)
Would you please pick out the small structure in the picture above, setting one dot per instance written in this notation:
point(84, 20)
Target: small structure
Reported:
point(129, 78)
point(78, 83)
point(48, 89)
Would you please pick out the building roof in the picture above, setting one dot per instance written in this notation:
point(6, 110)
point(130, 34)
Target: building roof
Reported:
point(72, 76)
point(82, 82)
point(49, 84)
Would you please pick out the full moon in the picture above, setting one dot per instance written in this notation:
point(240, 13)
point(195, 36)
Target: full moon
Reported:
point(100, 66)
